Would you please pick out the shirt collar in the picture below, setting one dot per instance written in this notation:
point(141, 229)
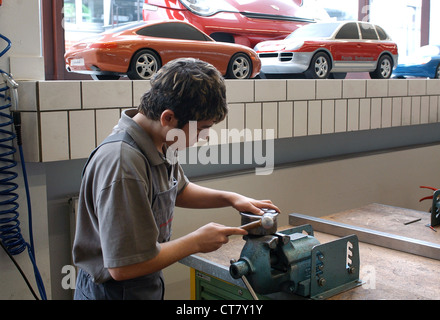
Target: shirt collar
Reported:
point(142, 138)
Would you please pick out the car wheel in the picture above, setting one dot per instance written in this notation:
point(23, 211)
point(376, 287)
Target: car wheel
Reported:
point(319, 67)
point(384, 68)
point(104, 77)
point(144, 65)
point(437, 72)
point(240, 67)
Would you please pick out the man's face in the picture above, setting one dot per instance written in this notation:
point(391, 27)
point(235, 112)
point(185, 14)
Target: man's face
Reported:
point(189, 134)
point(196, 130)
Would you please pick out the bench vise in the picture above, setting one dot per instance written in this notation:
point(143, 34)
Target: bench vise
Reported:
point(293, 261)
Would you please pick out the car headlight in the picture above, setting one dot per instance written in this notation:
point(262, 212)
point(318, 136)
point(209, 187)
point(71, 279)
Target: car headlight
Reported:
point(207, 7)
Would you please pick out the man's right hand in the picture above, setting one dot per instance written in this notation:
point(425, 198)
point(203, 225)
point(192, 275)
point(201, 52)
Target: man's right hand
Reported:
point(212, 236)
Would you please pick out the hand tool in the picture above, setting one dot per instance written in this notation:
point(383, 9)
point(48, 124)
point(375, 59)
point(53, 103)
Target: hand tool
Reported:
point(259, 224)
point(266, 221)
point(294, 261)
point(412, 221)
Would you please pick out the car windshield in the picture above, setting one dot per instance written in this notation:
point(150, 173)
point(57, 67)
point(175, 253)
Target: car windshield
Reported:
point(318, 30)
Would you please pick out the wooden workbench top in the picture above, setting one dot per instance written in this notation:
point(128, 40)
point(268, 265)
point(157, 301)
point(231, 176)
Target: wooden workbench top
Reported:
point(390, 219)
point(387, 274)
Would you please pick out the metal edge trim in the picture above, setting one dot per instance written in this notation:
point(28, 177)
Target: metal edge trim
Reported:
point(382, 239)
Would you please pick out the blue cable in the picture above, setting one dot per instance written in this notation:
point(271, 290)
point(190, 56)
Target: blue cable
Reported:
point(10, 233)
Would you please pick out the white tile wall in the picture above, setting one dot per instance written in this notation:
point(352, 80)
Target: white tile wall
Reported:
point(376, 113)
point(54, 136)
point(386, 112)
point(406, 111)
point(270, 119)
point(328, 116)
point(285, 119)
point(215, 137)
point(27, 91)
point(240, 91)
point(364, 114)
point(106, 119)
point(415, 110)
point(235, 119)
point(82, 133)
point(328, 89)
point(300, 114)
point(354, 89)
point(353, 115)
point(301, 89)
point(396, 112)
point(340, 115)
point(424, 110)
point(377, 88)
point(59, 95)
point(314, 118)
point(30, 136)
point(417, 87)
point(398, 87)
point(270, 90)
point(432, 87)
point(253, 116)
point(107, 94)
point(433, 109)
point(139, 88)
point(67, 119)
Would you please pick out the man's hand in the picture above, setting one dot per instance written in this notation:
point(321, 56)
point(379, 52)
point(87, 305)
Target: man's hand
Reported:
point(205, 239)
point(245, 204)
point(212, 236)
point(195, 196)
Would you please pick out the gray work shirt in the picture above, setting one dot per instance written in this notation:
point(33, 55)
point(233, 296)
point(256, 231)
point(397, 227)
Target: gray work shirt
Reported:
point(115, 223)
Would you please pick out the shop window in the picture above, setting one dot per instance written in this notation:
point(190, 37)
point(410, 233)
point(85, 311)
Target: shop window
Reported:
point(341, 10)
point(434, 35)
point(86, 18)
point(405, 30)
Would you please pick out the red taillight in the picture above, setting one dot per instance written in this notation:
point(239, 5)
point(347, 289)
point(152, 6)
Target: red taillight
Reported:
point(104, 45)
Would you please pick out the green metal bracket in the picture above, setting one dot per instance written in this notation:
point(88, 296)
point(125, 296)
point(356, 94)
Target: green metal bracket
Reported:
point(337, 266)
point(435, 209)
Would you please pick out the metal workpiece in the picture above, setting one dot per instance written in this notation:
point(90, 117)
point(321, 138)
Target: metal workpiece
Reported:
point(383, 239)
point(260, 224)
point(294, 262)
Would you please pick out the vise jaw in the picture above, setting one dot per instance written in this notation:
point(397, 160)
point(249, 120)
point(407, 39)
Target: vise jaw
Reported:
point(294, 261)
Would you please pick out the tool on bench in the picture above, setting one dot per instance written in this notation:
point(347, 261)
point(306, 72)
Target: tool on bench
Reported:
point(435, 207)
point(266, 221)
point(293, 260)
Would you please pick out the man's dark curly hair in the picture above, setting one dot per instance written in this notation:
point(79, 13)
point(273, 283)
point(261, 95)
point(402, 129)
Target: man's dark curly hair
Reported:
point(193, 89)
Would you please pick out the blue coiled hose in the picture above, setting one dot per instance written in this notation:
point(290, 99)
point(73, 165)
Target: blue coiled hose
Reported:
point(11, 238)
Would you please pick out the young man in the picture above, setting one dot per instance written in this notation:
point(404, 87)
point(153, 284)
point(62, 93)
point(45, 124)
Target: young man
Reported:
point(130, 187)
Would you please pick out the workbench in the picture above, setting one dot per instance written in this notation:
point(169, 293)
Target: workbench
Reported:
point(399, 258)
